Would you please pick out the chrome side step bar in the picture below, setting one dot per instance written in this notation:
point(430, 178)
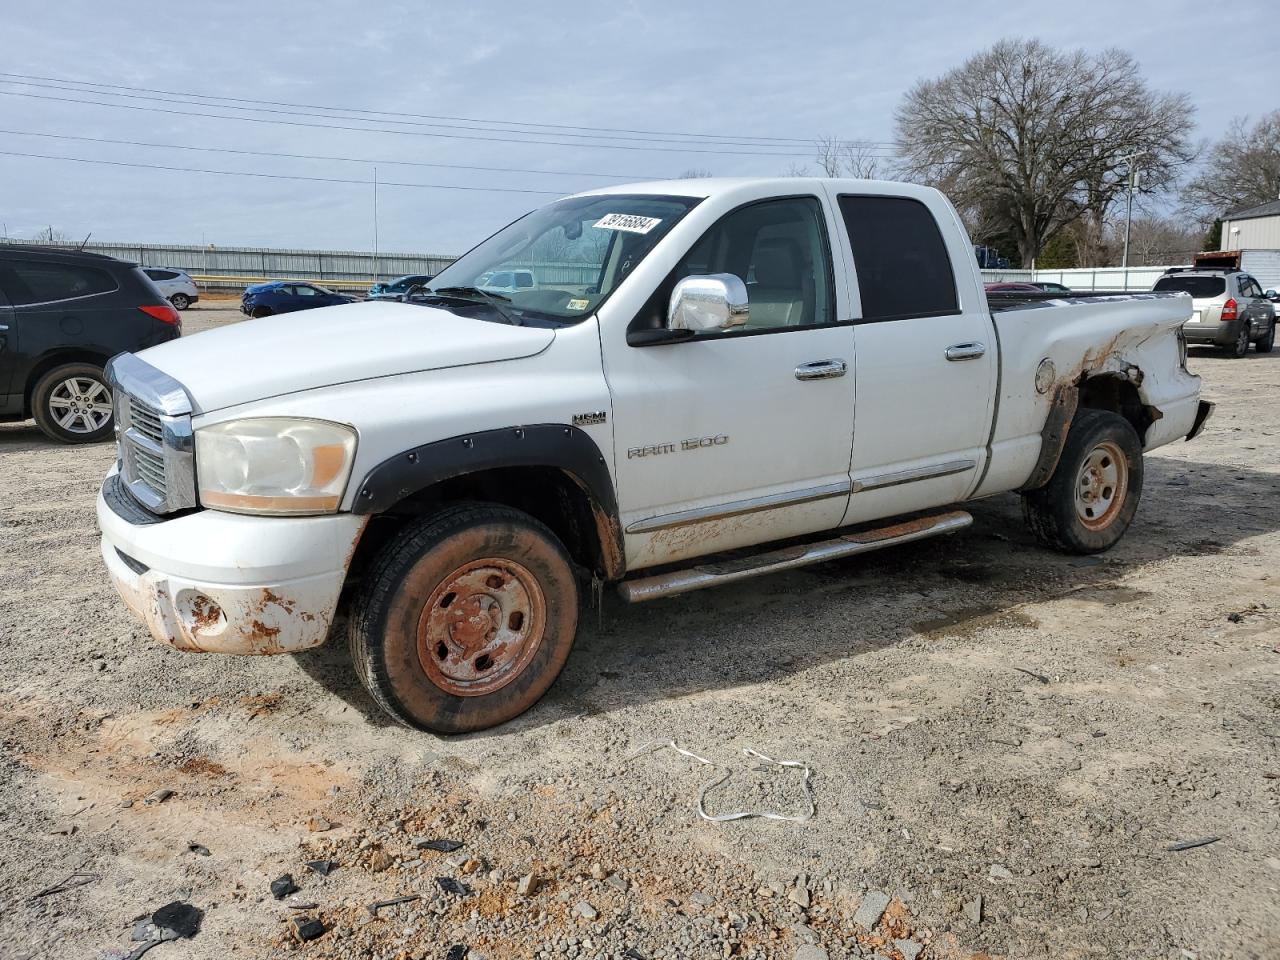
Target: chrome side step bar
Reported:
point(788, 558)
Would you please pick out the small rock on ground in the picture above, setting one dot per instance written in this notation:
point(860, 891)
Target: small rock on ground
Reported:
point(873, 905)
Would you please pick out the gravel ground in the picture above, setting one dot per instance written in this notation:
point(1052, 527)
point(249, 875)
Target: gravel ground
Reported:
point(1005, 743)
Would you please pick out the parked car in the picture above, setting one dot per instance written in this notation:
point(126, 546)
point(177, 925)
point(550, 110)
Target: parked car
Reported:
point(63, 315)
point(286, 296)
point(467, 487)
point(1049, 287)
point(399, 288)
point(178, 288)
point(1228, 308)
point(505, 281)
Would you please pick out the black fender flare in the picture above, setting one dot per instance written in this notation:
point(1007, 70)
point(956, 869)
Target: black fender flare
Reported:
point(554, 445)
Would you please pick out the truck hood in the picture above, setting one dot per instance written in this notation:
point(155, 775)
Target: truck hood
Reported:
point(281, 354)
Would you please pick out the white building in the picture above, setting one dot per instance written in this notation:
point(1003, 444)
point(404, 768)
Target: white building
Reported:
point(1257, 228)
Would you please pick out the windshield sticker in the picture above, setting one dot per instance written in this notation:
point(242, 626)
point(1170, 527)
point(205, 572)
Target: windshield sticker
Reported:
point(626, 221)
point(580, 304)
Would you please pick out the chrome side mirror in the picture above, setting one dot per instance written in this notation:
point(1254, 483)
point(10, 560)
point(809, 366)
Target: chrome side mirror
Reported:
point(704, 304)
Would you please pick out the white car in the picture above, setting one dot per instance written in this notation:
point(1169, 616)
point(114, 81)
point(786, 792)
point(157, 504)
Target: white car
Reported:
point(504, 281)
point(751, 361)
point(178, 288)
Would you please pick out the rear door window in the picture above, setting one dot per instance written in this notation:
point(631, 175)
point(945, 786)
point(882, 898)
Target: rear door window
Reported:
point(1200, 288)
point(161, 274)
point(900, 259)
point(34, 281)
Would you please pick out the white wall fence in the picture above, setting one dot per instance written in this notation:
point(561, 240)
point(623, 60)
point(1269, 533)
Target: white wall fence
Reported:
point(1085, 278)
point(235, 267)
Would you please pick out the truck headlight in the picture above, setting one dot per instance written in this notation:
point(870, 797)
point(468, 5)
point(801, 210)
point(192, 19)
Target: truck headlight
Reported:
point(274, 465)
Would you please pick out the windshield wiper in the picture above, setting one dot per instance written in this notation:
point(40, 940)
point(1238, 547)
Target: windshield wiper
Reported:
point(493, 299)
point(472, 291)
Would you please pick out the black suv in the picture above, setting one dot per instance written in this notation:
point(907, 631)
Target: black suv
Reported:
point(63, 315)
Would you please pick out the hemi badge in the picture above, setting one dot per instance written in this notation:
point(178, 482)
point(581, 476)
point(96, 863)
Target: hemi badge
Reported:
point(587, 419)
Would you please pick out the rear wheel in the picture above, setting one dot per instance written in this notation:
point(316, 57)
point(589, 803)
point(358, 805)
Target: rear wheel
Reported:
point(465, 619)
point(180, 301)
point(1241, 345)
point(1093, 494)
point(1268, 340)
point(72, 404)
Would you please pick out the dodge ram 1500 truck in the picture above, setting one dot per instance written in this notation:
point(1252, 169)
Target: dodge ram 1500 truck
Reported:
point(708, 380)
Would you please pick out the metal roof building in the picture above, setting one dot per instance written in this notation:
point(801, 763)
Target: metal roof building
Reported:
point(1255, 228)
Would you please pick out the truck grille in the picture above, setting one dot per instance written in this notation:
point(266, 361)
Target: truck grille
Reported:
point(146, 421)
point(155, 452)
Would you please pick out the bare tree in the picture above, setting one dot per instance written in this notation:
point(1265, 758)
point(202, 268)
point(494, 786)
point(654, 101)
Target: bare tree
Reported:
point(828, 157)
point(1037, 138)
point(1156, 240)
point(1242, 170)
point(696, 173)
point(846, 158)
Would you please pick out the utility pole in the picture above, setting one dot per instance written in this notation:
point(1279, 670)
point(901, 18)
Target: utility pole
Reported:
point(375, 225)
point(1128, 208)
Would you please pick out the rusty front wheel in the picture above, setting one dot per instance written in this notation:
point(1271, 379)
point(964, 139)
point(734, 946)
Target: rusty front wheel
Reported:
point(465, 618)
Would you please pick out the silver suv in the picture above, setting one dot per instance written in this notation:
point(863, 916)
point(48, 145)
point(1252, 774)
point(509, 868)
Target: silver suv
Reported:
point(1228, 308)
point(178, 288)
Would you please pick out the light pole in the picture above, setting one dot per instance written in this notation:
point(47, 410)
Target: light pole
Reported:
point(375, 225)
point(1128, 207)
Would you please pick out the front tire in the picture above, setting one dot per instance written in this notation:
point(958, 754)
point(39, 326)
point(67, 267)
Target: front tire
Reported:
point(1091, 498)
point(465, 618)
point(1268, 340)
point(72, 404)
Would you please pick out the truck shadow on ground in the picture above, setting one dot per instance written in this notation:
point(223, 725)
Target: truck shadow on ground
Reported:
point(768, 628)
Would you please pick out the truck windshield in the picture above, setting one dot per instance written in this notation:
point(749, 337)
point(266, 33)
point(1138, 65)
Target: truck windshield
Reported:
point(560, 262)
point(1200, 288)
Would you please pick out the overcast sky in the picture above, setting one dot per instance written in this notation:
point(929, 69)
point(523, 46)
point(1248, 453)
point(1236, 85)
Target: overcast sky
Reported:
point(741, 69)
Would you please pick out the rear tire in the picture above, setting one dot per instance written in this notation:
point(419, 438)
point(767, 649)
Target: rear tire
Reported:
point(1093, 494)
point(72, 404)
point(1241, 345)
point(1268, 340)
point(465, 618)
point(180, 301)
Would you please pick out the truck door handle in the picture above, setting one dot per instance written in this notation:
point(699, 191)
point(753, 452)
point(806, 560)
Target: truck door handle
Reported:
point(966, 351)
point(821, 370)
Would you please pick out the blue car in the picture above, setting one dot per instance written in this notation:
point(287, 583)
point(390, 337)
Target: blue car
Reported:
point(285, 296)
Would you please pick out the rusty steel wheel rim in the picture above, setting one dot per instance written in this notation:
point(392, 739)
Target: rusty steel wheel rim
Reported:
point(1101, 485)
point(481, 627)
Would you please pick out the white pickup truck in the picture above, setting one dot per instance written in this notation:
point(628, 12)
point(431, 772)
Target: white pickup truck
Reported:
point(709, 380)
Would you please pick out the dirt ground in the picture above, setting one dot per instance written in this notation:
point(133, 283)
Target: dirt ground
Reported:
point(1005, 743)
